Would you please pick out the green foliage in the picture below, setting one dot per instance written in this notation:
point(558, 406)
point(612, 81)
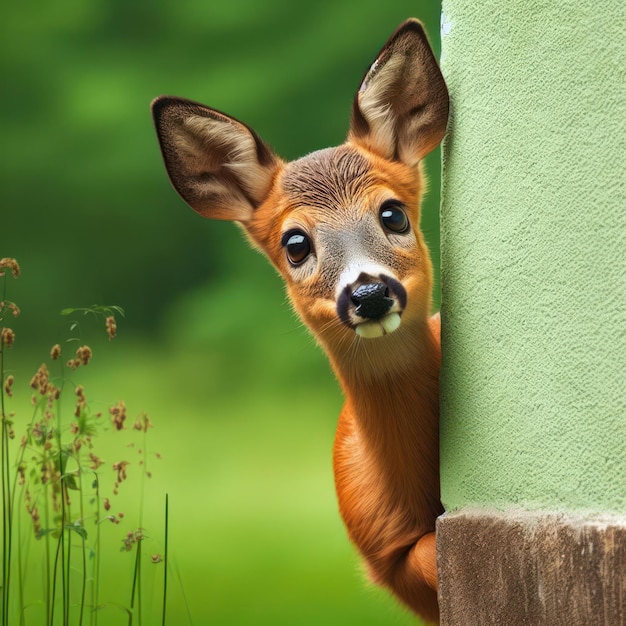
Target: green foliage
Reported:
point(56, 477)
point(95, 310)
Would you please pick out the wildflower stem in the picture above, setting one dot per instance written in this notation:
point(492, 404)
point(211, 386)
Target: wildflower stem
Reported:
point(136, 587)
point(139, 582)
point(64, 595)
point(96, 565)
point(20, 571)
point(62, 547)
point(83, 593)
point(6, 490)
point(14, 491)
point(49, 596)
point(143, 476)
point(5, 532)
point(83, 590)
point(165, 561)
point(68, 563)
point(54, 579)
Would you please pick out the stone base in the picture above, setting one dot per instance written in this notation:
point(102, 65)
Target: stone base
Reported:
point(518, 569)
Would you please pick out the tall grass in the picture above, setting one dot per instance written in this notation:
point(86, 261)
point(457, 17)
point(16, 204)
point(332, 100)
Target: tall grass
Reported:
point(53, 486)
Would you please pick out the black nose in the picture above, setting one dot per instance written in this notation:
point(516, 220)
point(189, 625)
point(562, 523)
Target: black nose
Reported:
point(372, 300)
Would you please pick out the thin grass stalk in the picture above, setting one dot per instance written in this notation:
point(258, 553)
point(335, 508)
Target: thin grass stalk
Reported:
point(137, 578)
point(7, 477)
point(68, 562)
point(182, 591)
point(63, 557)
point(54, 579)
point(6, 516)
point(83, 594)
point(14, 491)
point(51, 592)
point(49, 601)
point(23, 553)
point(68, 559)
point(83, 591)
point(165, 559)
point(20, 568)
point(63, 512)
point(143, 476)
point(5, 537)
point(4, 527)
point(136, 574)
point(139, 603)
point(4, 511)
point(96, 566)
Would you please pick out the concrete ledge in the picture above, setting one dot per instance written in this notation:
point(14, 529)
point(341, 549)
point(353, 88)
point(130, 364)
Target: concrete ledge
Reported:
point(515, 569)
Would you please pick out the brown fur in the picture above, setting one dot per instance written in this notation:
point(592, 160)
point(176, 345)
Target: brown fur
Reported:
point(386, 453)
point(386, 465)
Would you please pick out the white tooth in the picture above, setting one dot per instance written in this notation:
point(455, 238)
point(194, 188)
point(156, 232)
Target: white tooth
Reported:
point(391, 322)
point(369, 330)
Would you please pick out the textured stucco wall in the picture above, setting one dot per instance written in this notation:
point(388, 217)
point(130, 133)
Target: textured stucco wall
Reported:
point(533, 255)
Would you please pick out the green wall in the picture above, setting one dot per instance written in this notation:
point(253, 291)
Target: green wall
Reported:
point(533, 256)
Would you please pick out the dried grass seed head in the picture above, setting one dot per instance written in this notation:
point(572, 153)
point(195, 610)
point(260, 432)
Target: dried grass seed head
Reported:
point(81, 401)
point(7, 337)
point(118, 414)
point(40, 381)
point(10, 264)
point(111, 327)
point(120, 468)
point(84, 354)
point(143, 422)
point(95, 463)
point(11, 306)
point(8, 383)
point(132, 538)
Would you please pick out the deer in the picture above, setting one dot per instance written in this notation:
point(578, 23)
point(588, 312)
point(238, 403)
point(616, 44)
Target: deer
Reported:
point(341, 226)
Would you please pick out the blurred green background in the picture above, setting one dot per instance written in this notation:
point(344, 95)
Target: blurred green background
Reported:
point(244, 406)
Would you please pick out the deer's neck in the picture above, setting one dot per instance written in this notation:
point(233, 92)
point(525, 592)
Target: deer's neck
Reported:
point(392, 411)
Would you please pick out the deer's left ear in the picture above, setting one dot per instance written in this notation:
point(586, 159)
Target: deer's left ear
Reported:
point(218, 165)
point(401, 110)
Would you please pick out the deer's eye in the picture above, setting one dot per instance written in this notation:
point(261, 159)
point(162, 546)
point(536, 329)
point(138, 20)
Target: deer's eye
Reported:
point(297, 245)
point(394, 218)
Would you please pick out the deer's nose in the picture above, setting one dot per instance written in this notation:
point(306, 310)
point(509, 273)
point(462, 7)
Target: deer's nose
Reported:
point(371, 300)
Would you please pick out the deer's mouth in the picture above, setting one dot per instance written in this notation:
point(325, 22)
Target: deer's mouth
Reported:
point(370, 329)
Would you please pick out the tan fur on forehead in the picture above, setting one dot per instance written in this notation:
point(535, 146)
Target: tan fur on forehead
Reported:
point(333, 177)
point(327, 177)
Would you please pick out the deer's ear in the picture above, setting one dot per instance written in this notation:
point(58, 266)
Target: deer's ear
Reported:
point(219, 166)
point(401, 110)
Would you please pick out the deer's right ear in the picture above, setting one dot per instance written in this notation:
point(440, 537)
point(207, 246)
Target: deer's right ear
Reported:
point(401, 110)
point(219, 166)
